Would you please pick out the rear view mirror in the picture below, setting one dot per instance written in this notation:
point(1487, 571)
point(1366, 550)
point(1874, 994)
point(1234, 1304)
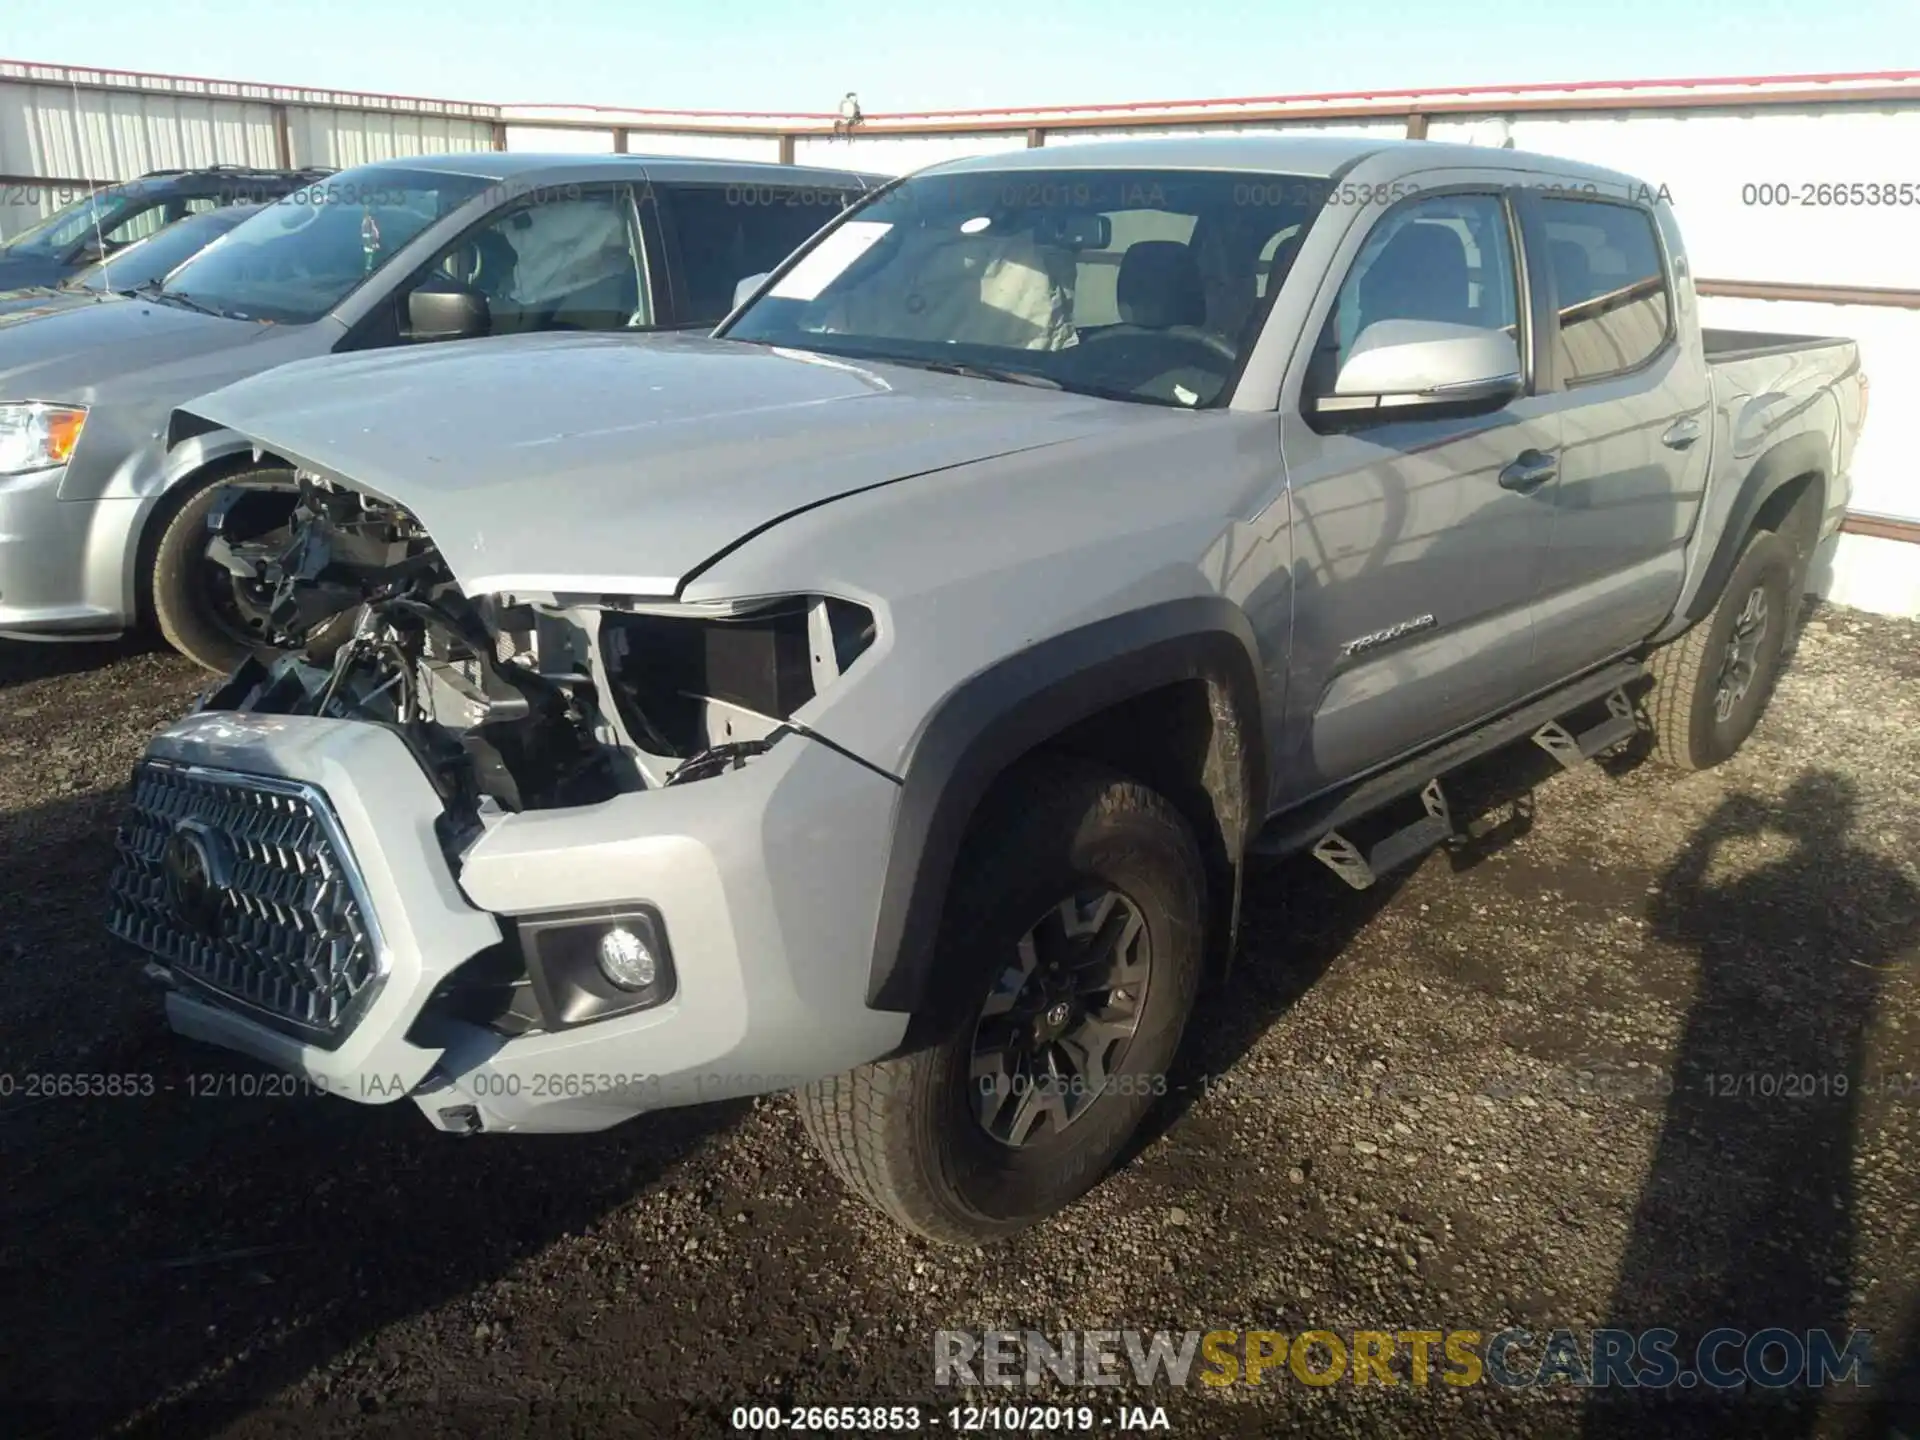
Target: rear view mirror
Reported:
point(1398, 364)
point(444, 309)
point(1075, 231)
point(743, 290)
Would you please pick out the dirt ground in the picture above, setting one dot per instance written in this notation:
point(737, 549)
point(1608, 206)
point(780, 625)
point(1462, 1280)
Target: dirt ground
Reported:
point(1505, 1089)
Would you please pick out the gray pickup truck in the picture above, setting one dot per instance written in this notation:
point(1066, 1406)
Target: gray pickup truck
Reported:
point(881, 697)
point(103, 511)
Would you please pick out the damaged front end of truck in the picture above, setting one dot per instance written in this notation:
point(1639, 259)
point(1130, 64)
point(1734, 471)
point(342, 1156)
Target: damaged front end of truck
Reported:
point(514, 702)
point(447, 829)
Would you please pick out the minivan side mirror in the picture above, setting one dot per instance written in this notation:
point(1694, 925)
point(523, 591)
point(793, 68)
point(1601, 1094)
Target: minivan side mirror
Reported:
point(442, 309)
point(1403, 364)
point(743, 291)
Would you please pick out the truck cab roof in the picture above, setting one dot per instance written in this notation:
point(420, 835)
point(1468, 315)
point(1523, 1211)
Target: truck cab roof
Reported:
point(1315, 156)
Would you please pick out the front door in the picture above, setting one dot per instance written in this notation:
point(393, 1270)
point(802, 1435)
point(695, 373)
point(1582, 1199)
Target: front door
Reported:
point(1415, 565)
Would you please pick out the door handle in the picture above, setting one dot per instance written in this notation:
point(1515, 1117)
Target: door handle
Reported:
point(1529, 471)
point(1681, 433)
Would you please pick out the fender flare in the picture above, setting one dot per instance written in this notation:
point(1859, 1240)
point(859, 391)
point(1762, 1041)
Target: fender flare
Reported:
point(194, 449)
point(1800, 455)
point(1003, 712)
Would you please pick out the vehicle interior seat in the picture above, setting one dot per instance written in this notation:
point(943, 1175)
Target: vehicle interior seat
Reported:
point(1159, 287)
point(494, 264)
point(1420, 274)
point(1572, 274)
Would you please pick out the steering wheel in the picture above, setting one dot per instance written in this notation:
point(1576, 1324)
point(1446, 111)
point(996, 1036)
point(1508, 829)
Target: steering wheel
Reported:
point(1147, 355)
point(1186, 335)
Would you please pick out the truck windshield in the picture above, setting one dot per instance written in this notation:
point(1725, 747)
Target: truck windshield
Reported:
point(304, 254)
point(1141, 285)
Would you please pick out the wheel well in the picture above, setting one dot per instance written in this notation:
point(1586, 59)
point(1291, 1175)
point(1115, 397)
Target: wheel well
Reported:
point(1793, 512)
point(177, 494)
point(1188, 741)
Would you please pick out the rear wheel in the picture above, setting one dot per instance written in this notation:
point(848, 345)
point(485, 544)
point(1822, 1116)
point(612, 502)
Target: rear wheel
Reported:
point(1712, 684)
point(1070, 949)
point(204, 610)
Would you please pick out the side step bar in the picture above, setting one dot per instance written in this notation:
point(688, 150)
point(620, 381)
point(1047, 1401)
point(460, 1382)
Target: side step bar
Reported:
point(1343, 857)
point(1316, 825)
point(1573, 751)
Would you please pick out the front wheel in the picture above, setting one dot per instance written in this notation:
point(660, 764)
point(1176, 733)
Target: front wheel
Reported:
point(1712, 684)
point(1070, 952)
point(204, 610)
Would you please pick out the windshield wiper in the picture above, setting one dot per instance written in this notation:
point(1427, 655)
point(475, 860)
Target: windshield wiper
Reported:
point(972, 371)
point(150, 290)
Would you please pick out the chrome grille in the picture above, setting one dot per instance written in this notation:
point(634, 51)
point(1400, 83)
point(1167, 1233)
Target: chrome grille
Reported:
point(243, 886)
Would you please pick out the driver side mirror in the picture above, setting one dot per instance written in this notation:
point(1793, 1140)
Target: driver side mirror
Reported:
point(90, 251)
point(1409, 364)
point(743, 290)
point(442, 309)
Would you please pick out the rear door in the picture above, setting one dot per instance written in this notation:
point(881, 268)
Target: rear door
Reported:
point(1415, 567)
point(1635, 425)
point(716, 235)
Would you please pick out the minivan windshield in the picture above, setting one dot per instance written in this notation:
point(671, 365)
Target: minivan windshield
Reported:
point(147, 261)
point(1141, 285)
point(304, 254)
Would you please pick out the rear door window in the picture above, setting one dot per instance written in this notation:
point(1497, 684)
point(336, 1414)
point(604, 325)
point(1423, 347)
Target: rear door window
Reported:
point(1616, 312)
point(138, 224)
point(718, 235)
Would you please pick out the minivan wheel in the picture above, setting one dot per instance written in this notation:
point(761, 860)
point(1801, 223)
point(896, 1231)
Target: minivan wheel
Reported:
point(1712, 684)
point(206, 612)
point(1068, 958)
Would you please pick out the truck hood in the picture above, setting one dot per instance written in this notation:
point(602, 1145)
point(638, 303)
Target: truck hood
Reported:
point(617, 464)
point(76, 351)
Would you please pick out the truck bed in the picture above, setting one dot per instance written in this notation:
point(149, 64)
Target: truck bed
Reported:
point(1771, 390)
point(1727, 345)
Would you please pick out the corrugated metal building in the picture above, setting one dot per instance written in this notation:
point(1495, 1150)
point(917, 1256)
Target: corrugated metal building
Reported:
point(1767, 175)
point(64, 129)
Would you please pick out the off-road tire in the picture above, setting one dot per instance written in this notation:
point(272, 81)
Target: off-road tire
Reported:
point(902, 1132)
point(1688, 731)
point(178, 599)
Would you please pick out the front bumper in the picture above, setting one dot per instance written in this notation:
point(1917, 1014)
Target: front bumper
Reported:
point(766, 879)
point(51, 586)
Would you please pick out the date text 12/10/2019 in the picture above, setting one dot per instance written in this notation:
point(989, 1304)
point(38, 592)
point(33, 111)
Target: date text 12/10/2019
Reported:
point(960, 1419)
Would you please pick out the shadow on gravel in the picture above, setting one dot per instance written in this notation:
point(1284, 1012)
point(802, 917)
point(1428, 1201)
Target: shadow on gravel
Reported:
point(1297, 919)
point(1896, 1408)
point(23, 660)
point(1747, 1216)
point(173, 1257)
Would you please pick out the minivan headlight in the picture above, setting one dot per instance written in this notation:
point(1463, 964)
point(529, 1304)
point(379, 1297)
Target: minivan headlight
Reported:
point(35, 436)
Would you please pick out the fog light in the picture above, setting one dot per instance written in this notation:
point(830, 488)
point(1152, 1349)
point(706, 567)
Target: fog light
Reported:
point(589, 965)
point(626, 960)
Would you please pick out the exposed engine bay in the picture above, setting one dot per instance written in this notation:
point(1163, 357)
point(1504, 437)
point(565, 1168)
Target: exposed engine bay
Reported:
point(504, 699)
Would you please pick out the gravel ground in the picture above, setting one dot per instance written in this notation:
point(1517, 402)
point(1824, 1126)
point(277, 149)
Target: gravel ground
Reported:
point(1473, 1098)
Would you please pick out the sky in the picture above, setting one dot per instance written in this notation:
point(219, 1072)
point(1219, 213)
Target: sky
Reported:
point(755, 55)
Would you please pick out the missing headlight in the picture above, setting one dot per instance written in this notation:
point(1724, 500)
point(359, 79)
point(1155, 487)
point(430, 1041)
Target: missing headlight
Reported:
point(686, 684)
